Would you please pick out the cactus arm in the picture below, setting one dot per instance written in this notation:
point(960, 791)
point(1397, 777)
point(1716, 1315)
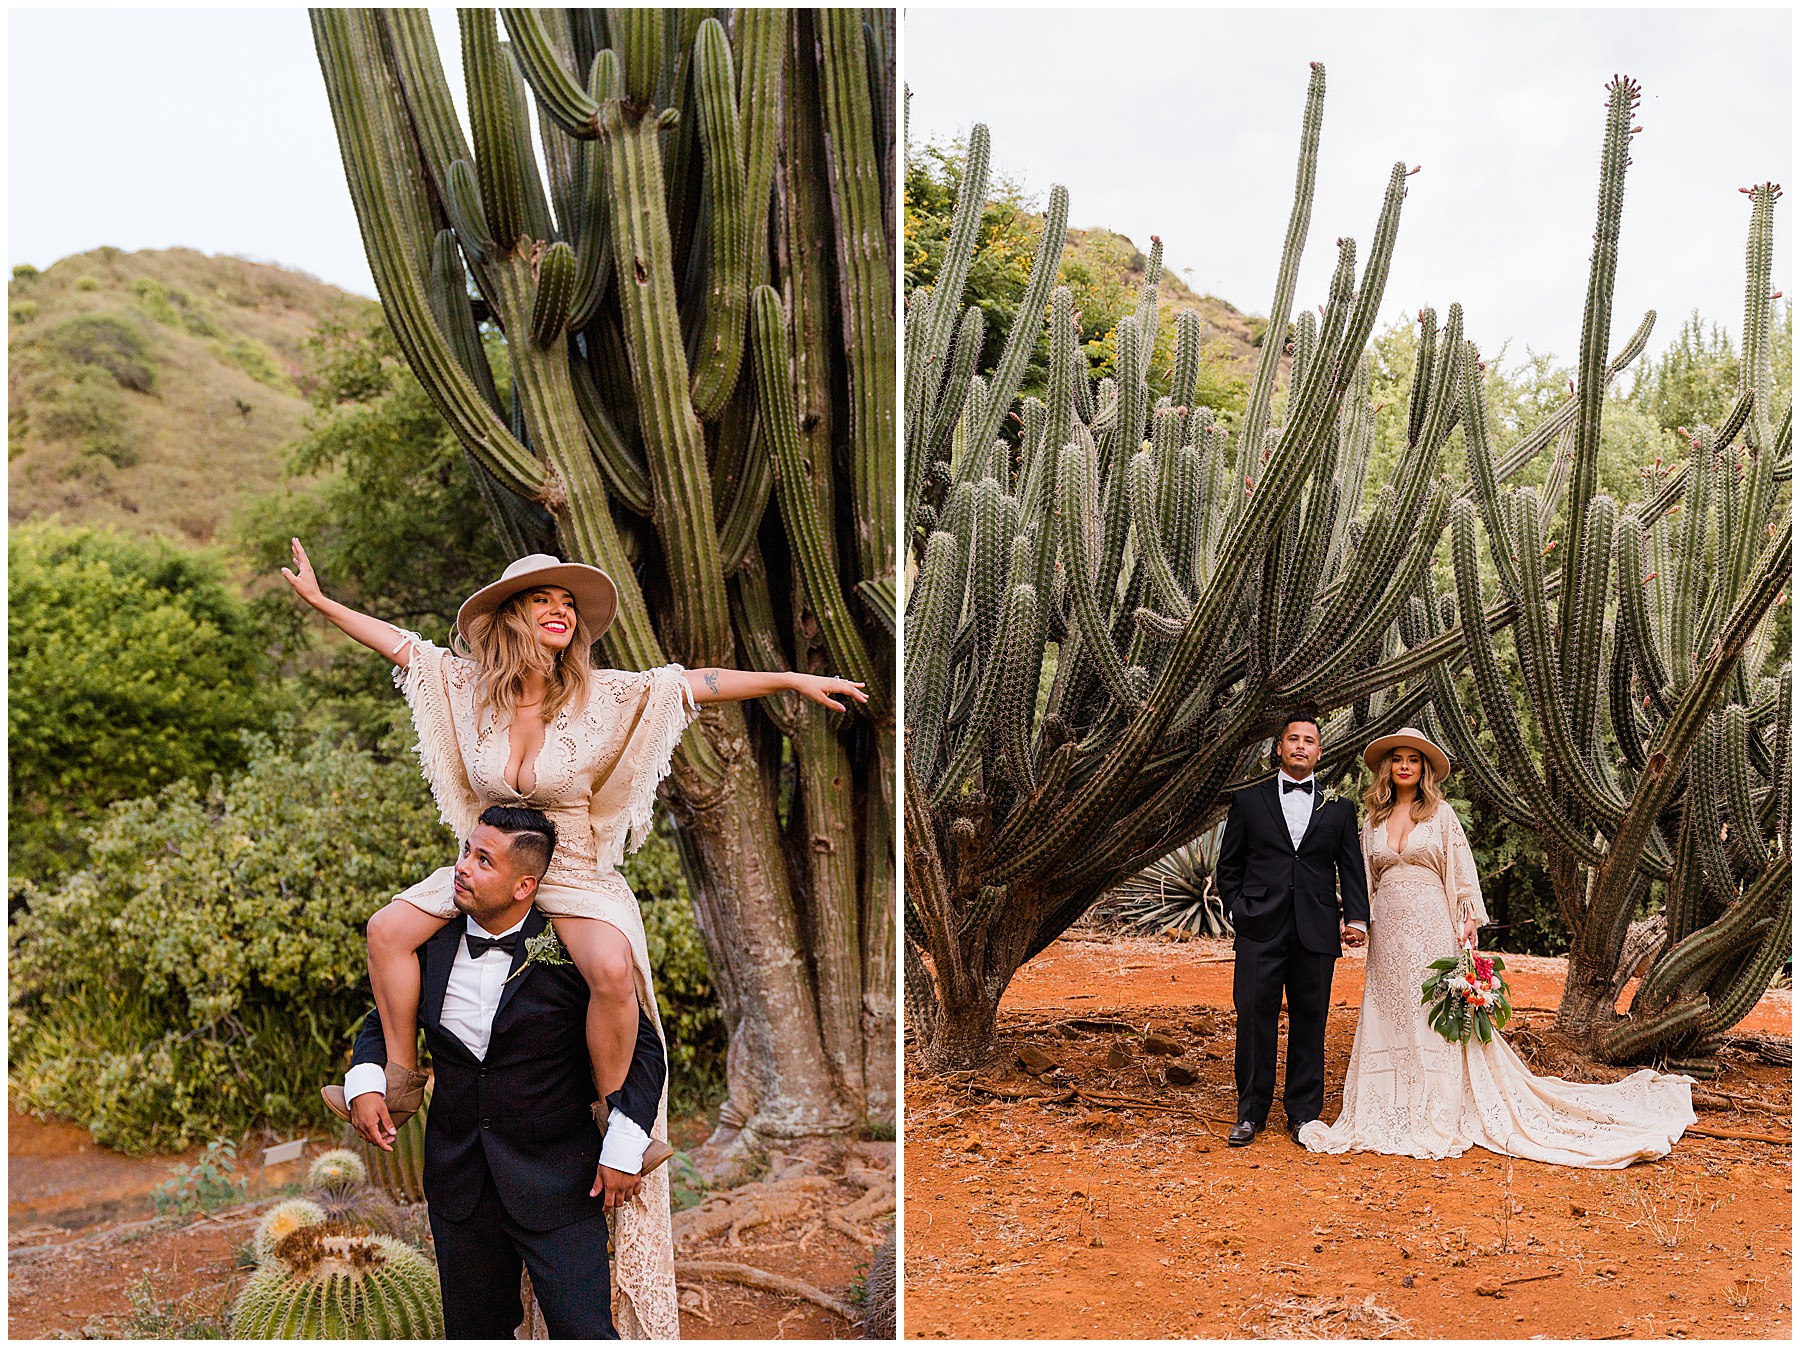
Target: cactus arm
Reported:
point(1496, 697)
point(1142, 474)
point(1746, 828)
point(865, 282)
point(674, 448)
point(1072, 468)
point(1634, 616)
point(1584, 643)
point(1740, 996)
point(741, 492)
point(559, 93)
point(1262, 389)
point(637, 36)
point(930, 623)
point(1025, 334)
point(365, 108)
point(719, 349)
point(626, 477)
point(1590, 372)
point(803, 508)
point(1019, 619)
point(1673, 744)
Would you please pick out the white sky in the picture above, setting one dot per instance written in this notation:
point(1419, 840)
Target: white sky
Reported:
point(208, 129)
point(1186, 124)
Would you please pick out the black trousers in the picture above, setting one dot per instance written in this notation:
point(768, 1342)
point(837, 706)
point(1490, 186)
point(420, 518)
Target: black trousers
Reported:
point(478, 1271)
point(1262, 972)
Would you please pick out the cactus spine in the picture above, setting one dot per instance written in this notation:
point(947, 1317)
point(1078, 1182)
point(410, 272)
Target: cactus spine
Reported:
point(1676, 776)
point(693, 165)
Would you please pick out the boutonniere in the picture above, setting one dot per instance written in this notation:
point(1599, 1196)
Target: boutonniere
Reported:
point(544, 948)
point(1330, 796)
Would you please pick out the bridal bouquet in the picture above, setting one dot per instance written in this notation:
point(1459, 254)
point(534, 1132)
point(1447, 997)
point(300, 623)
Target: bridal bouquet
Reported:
point(1467, 995)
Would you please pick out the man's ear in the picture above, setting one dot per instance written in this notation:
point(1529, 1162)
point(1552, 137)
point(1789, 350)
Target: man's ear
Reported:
point(525, 888)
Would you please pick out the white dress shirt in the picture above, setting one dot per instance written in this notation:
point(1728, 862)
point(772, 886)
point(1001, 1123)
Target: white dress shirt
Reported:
point(1297, 808)
point(471, 997)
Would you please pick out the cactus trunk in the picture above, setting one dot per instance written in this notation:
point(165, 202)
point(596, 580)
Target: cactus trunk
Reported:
point(681, 162)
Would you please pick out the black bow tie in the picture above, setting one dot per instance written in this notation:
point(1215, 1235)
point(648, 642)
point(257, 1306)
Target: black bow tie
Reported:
point(480, 945)
point(1305, 786)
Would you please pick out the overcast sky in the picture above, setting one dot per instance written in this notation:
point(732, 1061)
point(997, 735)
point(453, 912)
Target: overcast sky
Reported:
point(208, 129)
point(1186, 124)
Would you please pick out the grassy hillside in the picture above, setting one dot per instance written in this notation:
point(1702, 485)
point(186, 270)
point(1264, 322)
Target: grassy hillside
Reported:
point(154, 391)
point(1241, 333)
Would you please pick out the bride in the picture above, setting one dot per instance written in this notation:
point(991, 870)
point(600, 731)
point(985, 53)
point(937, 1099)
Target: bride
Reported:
point(1408, 1091)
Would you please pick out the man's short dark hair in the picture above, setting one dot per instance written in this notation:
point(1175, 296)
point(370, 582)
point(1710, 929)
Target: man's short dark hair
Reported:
point(1304, 716)
point(533, 836)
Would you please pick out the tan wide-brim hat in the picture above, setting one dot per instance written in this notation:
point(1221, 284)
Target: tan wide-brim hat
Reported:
point(596, 597)
point(1408, 737)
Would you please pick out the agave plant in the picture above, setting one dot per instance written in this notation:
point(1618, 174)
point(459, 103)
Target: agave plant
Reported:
point(1176, 891)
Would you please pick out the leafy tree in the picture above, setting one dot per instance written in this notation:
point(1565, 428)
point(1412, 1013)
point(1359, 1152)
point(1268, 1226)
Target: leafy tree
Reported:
point(131, 665)
point(204, 972)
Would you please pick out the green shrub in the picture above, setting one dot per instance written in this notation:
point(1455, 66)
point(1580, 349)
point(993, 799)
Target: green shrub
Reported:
point(130, 665)
point(206, 972)
point(26, 272)
point(210, 1182)
point(685, 998)
point(106, 343)
point(87, 283)
point(23, 311)
point(86, 409)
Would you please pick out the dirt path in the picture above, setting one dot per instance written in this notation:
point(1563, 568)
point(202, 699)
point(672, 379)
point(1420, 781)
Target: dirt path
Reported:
point(1051, 1220)
point(86, 1257)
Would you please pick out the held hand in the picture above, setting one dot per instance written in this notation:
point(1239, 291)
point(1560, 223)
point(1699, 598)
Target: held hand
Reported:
point(817, 688)
point(369, 1116)
point(1352, 936)
point(618, 1186)
point(1470, 928)
point(305, 583)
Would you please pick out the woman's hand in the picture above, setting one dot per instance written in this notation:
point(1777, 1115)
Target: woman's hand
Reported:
point(305, 583)
point(1470, 928)
point(818, 688)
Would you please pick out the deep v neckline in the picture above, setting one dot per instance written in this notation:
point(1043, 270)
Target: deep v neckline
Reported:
point(536, 776)
point(1388, 838)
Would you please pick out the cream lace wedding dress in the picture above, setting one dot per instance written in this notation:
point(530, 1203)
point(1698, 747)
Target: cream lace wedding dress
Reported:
point(596, 777)
point(1409, 1092)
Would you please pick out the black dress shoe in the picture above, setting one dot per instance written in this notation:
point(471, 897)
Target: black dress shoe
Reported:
point(1242, 1132)
point(1294, 1131)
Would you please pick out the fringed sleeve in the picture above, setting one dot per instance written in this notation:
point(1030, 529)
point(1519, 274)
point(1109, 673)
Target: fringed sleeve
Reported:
point(1462, 879)
point(425, 680)
point(657, 706)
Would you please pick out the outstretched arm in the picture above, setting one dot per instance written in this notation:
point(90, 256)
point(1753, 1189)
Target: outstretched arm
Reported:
point(737, 685)
point(382, 638)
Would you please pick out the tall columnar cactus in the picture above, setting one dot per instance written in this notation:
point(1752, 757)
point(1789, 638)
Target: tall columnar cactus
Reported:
point(1193, 586)
point(321, 1284)
point(1665, 760)
point(692, 285)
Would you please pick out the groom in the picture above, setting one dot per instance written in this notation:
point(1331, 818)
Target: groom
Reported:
point(1291, 875)
point(515, 1170)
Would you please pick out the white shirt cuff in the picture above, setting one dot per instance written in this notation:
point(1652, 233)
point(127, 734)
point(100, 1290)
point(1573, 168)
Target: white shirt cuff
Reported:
point(363, 1078)
point(1360, 926)
point(624, 1145)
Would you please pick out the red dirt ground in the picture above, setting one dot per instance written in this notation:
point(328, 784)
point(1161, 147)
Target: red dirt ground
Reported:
point(83, 1251)
point(1071, 1220)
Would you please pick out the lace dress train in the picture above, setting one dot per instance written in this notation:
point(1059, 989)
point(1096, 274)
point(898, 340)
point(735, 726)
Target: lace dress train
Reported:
point(1409, 1092)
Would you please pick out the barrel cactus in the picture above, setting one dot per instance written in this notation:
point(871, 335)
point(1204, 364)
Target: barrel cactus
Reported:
point(339, 1170)
point(321, 1284)
point(280, 1222)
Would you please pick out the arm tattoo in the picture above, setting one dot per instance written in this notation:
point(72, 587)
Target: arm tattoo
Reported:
point(712, 680)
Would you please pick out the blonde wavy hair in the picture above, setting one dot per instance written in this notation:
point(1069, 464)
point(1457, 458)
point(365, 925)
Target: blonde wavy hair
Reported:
point(1378, 795)
point(504, 646)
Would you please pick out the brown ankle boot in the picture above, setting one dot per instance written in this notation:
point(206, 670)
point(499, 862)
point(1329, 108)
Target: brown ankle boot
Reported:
point(405, 1093)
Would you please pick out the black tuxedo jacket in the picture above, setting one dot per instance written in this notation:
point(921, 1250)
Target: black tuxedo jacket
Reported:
point(1263, 877)
point(522, 1115)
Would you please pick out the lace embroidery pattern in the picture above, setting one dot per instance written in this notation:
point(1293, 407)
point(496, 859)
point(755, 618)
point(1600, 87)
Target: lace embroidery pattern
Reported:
point(1408, 1092)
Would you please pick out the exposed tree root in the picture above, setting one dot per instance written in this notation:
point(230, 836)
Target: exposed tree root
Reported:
point(727, 1271)
point(1732, 1134)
